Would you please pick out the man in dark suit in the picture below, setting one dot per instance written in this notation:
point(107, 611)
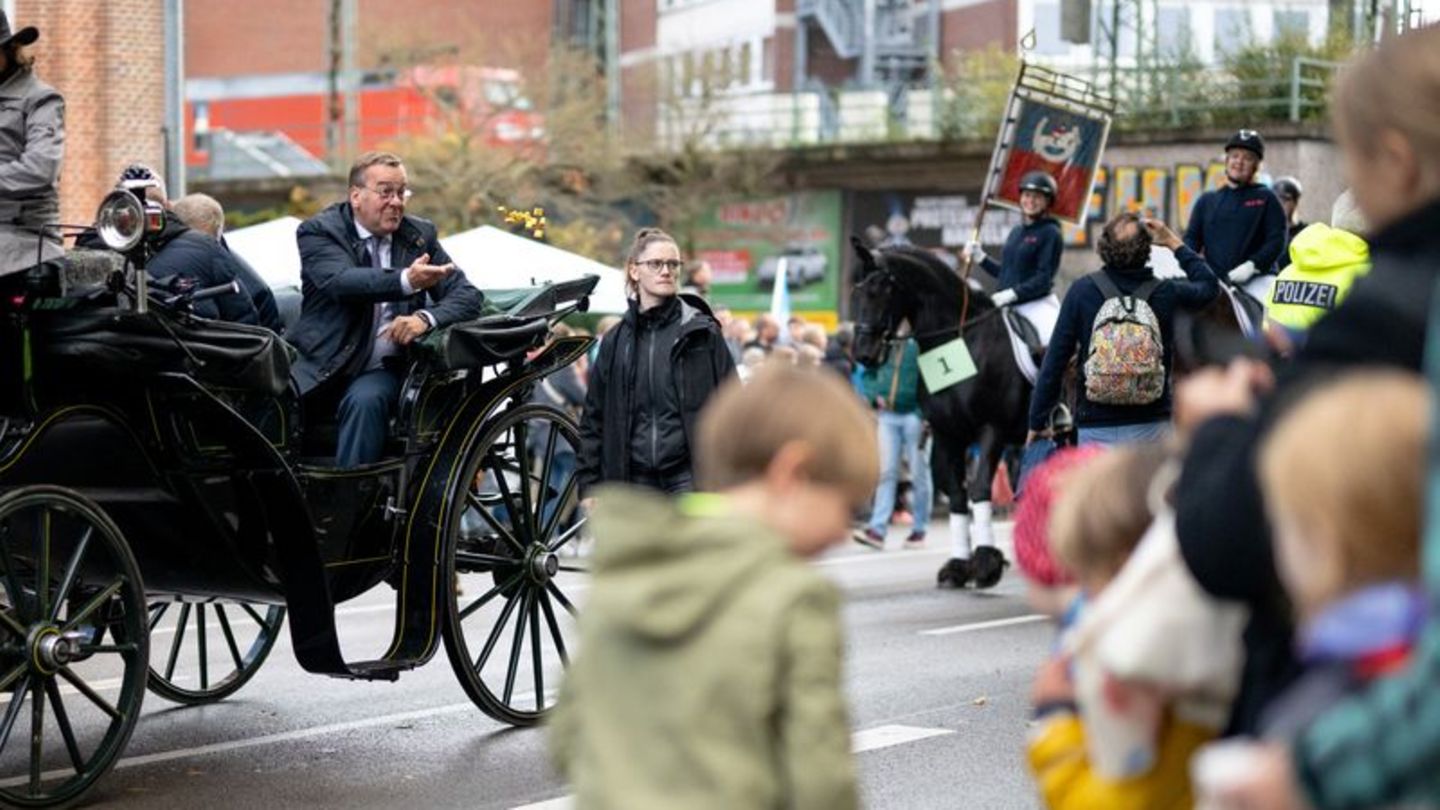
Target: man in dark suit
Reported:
point(372, 281)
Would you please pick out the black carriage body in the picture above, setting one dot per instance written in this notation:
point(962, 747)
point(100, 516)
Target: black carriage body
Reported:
point(210, 484)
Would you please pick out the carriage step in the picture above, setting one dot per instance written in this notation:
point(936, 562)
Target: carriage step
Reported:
point(382, 670)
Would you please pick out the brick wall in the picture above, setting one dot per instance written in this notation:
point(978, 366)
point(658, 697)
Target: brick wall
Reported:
point(975, 26)
point(107, 59)
point(291, 36)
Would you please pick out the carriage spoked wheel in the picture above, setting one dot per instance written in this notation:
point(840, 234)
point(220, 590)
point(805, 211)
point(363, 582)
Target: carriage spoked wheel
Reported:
point(514, 564)
point(73, 646)
point(211, 647)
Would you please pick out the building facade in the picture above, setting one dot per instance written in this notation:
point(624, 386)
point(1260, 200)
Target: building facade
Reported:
point(107, 59)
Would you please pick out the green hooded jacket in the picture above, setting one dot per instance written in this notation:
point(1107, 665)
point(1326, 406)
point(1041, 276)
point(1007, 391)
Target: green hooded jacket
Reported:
point(1325, 262)
point(709, 671)
point(897, 380)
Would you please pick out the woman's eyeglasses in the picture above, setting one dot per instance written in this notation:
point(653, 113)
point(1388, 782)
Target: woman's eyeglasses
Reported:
point(656, 265)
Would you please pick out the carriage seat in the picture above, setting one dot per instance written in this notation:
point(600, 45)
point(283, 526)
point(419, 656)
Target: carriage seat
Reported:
point(109, 343)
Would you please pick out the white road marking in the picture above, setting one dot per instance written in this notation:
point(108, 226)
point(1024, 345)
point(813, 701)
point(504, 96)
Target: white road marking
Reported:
point(871, 739)
point(966, 628)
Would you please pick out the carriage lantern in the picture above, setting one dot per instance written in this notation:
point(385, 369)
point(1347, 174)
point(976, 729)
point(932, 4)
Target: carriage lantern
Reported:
point(125, 218)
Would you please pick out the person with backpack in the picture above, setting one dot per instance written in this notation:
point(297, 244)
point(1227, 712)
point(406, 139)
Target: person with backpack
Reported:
point(1119, 322)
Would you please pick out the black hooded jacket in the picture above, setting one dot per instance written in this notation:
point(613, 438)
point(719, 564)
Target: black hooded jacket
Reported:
point(654, 373)
point(183, 252)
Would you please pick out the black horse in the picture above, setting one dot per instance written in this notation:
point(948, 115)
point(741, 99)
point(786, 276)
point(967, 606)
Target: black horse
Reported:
point(904, 284)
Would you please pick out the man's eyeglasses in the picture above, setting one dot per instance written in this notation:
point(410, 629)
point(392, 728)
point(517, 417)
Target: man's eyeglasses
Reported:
point(390, 192)
point(656, 265)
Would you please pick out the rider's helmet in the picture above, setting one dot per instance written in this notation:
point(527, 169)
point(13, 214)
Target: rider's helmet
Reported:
point(1288, 188)
point(1041, 182)
point(1247, 139)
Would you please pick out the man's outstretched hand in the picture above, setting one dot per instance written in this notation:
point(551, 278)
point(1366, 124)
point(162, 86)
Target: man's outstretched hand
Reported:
point(422, 275)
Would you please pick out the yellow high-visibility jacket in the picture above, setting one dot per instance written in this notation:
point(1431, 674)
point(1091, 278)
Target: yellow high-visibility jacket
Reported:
point(1325, 262)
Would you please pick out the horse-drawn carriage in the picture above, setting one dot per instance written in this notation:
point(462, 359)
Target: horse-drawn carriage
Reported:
point(162, 509)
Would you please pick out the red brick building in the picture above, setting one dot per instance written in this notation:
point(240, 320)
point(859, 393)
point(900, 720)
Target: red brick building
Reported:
point(107, 59)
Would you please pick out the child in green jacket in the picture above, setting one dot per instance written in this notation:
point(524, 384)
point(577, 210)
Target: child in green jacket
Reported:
point(710, 672)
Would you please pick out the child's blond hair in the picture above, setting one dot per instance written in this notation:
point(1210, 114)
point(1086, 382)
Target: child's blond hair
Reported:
point(1349, 461)
point(1104, 509)
point(744, 426)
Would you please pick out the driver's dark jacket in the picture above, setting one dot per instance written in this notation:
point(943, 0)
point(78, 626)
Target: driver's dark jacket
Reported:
point(340, 288)
point(641, 415)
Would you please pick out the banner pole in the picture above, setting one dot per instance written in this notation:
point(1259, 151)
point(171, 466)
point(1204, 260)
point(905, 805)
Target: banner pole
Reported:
point(996, 160)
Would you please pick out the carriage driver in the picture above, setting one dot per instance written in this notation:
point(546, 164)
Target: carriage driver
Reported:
point(1025, 274)
point(373, 279)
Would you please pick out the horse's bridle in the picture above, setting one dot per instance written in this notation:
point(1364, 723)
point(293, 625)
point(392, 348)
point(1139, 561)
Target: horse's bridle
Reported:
point(886, 330)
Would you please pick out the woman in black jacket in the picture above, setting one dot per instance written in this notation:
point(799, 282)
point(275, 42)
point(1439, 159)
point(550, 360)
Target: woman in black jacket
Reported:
point(654, 373)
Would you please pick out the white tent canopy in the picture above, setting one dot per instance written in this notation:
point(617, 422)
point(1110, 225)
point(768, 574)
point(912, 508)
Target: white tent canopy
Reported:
point(270, 248)
point(491, 258)
point(496, 259)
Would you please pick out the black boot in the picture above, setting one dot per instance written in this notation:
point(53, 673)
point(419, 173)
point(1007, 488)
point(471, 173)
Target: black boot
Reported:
point(955, 573)
point(987, 566)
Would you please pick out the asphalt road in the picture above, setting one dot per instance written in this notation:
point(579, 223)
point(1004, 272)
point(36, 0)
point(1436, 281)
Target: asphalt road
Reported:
point(937, 682)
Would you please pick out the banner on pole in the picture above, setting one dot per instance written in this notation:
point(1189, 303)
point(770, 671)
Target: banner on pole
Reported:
point(1055, 124)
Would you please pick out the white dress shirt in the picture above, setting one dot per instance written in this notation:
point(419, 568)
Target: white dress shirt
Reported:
point(385, 310)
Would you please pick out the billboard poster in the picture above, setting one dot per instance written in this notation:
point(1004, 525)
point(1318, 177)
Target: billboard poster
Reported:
point(927, 219)
point(1059, 140)
point(745, 240)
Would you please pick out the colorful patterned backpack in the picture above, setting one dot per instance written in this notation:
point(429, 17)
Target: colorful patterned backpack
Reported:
point(1126, 363)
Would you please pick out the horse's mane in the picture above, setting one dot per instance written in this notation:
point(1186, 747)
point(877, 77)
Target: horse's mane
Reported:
point(941, 277)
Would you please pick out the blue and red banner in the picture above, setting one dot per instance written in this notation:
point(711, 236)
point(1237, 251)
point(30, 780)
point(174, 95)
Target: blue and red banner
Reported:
point(1060, 142)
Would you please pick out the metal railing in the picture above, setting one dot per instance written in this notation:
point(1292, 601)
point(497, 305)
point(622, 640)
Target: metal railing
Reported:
point(1155, 99)
point(841, 20)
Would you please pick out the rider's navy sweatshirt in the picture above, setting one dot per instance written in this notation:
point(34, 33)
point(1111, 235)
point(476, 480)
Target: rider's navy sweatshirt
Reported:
point(1230, 226)
point(1029, 261)
point(1072, 337)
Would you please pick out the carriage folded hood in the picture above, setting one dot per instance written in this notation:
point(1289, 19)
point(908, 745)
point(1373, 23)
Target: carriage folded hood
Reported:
point(663, 574)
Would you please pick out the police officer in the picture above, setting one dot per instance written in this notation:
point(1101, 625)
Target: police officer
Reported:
point(1240, 228)
point(1288, 190)
point(1025, 274)
point(1325, 262)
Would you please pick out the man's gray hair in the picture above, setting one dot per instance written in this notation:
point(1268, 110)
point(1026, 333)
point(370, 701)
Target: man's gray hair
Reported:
point(201, 212)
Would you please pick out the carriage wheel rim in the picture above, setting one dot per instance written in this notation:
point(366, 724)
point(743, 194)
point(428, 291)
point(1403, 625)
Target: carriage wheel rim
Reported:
point(535, 625)
point(233, 664)
point(61, 621)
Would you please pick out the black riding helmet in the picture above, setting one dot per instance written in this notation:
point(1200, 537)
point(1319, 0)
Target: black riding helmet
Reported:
point(1247, 139)
point(1041, 182)
point(1288, 188)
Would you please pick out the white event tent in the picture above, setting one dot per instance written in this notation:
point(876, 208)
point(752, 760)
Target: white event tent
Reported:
point(498, 259)
point(492, 258)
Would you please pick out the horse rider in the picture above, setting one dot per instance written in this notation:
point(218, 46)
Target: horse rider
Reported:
point(373, 279)
point(1240, 228)
point(1025, 274)
point(1288, 189)
point(32, 144)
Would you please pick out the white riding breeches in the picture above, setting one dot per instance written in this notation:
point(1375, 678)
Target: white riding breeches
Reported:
point(1042, 314)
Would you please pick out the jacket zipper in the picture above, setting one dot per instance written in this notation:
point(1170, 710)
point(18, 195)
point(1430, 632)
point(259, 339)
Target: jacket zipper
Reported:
point(654, 406)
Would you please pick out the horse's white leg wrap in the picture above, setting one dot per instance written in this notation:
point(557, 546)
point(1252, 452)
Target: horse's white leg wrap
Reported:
point(984, 527)
point(959, 536)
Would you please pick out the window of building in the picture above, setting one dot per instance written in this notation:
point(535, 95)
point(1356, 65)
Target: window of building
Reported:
point(1292, 24)
point(1174, 33)
point(747, 51)
point(1232, 30)
point(767, 59)
point(1047, 30)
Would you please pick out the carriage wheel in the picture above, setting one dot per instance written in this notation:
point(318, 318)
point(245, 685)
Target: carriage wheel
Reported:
point(212, 648)
point(73, 646)
point(511, 615)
